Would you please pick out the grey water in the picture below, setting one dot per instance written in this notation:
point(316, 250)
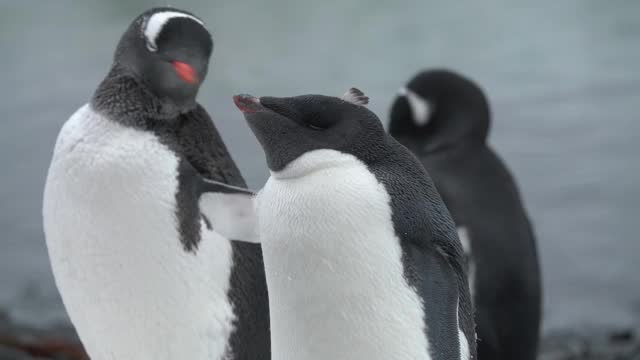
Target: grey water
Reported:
point(563, 78)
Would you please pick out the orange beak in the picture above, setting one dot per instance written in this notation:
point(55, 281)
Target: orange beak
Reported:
point(185, 72)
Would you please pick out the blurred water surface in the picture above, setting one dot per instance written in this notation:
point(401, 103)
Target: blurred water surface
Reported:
point(563, 78)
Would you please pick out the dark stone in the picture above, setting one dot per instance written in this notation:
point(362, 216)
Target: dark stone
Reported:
point(60, 342)
point(622, 336)
point(616, 344)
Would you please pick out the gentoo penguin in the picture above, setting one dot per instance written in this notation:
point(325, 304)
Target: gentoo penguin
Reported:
point(443, 118)
point(361, 256)
point(141, 271)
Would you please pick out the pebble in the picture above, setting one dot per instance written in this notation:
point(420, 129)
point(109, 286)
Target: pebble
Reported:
point(61, 343)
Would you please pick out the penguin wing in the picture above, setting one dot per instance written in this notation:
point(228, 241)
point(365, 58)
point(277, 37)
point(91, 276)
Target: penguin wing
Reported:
point(202, 146)
point(435, 282)
point(229, 209)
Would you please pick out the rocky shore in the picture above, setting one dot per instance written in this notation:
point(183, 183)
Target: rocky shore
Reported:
point(23, 343)
point(61, 343)
point(611, 344)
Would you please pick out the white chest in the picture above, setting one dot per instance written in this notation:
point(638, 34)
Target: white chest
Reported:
point(333, 265)
point(128, 285)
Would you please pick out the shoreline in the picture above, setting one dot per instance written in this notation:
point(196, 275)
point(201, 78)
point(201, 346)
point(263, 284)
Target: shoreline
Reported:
point(60, 342)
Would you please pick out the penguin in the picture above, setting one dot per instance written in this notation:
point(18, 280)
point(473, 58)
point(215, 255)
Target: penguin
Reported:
point(443, 118)
point(127, 218)
point(361, 256)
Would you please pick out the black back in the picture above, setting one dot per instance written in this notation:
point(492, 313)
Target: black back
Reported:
point(432, 254)
point(482, 197)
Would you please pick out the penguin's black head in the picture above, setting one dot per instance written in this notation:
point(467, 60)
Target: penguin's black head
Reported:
point(289, 127)
point(439, 108)
point(168, 51)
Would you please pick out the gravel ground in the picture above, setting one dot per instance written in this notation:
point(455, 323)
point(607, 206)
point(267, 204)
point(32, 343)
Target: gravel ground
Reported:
point(614, 344)
point(60, 343)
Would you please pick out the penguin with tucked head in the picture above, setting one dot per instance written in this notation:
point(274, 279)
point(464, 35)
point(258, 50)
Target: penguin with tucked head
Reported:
point(129, 205)
point(444, 118)
point(361, 256)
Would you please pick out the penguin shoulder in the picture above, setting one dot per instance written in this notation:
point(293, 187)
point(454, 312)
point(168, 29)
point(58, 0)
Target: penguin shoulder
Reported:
point(432, 255)
point(201, 144)
point(83, 140)
point(74, 129)
point(92, 145)
point(420, 217)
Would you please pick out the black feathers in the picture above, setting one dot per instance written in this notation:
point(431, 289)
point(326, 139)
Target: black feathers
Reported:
point(432, 254)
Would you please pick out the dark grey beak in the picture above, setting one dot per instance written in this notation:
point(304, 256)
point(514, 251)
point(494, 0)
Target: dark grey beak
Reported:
point(247, 103)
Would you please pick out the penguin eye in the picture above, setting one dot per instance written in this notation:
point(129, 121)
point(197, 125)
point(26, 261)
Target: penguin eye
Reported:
point(314, 127)
point(315, 122)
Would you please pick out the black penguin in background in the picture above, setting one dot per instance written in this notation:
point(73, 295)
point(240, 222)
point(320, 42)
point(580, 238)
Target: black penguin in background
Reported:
point(444, 119)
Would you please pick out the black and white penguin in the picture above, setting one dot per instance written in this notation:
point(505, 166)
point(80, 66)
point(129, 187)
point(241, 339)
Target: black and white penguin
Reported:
point(444, 119)
point(141, 271)
point(361, 256)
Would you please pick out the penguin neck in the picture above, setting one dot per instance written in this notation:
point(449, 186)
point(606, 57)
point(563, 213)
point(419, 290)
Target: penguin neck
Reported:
point(123, 98)
point(450, 128)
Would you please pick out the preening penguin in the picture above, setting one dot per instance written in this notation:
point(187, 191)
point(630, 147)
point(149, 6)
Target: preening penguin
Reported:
point(142, 272)
point(361, 256)
point(443, 118)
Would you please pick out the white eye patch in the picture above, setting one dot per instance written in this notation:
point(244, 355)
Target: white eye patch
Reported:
point(154, 24)
point(420, 107)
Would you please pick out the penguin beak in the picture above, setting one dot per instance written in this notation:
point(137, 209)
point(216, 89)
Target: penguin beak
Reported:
point(247, 103)
point(185, 72)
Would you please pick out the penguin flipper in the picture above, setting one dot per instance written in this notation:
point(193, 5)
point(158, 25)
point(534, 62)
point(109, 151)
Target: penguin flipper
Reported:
point(213, 186)
point(230, 210)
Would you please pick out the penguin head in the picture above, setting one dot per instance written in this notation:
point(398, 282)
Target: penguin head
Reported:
point(288, 127)
point(439, 108)
point(168, 51)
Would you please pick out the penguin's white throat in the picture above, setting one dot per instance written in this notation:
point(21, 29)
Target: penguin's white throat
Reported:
point(315, 161)
point(334, 264)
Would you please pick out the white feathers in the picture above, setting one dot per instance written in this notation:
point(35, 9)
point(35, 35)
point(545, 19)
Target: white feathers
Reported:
point(130, 289)
point(232, 215)
point(463, 234)
point(334, 265)
point(355, 96)
point(420, 107)
point(462, 339)
point(153, 25)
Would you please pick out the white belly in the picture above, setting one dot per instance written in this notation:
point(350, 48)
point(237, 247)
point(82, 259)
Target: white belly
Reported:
point(130, 288)
point(333, 264)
